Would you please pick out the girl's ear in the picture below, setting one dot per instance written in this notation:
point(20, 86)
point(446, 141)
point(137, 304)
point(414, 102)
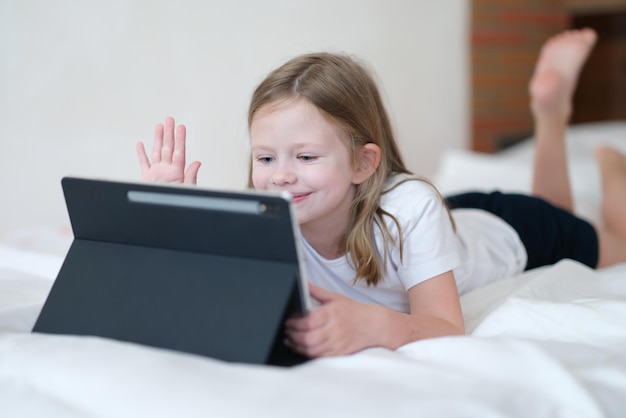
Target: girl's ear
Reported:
point(367, 162)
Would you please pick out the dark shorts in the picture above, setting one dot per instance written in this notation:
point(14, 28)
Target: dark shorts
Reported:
point(548, 232)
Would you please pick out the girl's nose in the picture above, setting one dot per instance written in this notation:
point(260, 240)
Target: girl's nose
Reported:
point(283, 176)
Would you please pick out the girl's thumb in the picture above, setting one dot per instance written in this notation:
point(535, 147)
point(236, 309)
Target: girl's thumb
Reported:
point(321, 294)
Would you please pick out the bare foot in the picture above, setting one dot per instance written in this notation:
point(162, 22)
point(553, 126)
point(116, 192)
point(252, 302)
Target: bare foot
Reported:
point(556, 73)
point(612, 165)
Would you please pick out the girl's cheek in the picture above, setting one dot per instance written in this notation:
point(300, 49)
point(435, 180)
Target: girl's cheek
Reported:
point(257, 182)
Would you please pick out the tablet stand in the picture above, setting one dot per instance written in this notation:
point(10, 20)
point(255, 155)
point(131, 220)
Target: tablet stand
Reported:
point(230, 309)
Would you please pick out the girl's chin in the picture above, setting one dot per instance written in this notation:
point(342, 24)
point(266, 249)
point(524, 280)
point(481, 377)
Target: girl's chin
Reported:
point(302, 218)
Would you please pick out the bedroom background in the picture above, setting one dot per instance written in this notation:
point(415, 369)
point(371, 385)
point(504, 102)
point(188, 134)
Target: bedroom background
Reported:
point(82, 82)
point(505, 39)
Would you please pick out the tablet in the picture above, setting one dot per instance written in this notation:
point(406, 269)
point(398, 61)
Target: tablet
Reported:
point(209, 272)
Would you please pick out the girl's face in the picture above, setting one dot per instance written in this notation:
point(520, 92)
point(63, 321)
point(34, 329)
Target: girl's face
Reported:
point(295, 149)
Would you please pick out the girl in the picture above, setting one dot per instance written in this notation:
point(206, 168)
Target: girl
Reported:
point(382, 252)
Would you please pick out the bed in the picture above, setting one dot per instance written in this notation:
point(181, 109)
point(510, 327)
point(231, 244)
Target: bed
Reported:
point(548, 343)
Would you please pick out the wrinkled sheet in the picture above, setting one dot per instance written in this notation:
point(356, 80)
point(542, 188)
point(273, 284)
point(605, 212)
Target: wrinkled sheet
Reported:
point(548, 343)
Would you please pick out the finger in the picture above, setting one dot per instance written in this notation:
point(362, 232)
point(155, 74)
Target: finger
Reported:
point(298, 348)
point(325, 346)
point(311, 321)
point(158, 144)
point(191, 175)
point(178, 155)
point(312, 344)
point(311, 352)
point(168, 140)
point(144, 162)
point(297, 324)
point(321, 294)
point(323, 349)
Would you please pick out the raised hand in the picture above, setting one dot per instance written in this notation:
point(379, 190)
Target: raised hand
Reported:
point(168, 156)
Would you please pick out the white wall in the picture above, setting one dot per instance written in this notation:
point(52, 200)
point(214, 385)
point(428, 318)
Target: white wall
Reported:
point(82, 81)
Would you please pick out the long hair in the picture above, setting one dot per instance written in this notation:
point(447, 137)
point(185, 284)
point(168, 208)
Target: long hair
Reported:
point(345, 92)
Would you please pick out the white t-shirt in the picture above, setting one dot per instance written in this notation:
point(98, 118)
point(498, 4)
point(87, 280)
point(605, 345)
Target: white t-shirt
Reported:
point(490, 249)
point(430, 248)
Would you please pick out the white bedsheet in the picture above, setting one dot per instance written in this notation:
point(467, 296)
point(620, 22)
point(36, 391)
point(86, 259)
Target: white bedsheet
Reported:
point(551, 342)
point(547, 343)
point(511, 170)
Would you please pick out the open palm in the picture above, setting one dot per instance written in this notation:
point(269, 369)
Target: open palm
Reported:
point(168, 159)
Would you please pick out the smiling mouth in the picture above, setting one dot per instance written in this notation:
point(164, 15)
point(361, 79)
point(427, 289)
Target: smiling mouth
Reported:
point(297, 198)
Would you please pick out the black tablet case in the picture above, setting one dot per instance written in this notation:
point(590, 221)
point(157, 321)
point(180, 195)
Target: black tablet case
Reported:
point(178, 274)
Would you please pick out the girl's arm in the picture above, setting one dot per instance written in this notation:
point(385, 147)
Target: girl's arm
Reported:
point(343, 326)
point(168, 156)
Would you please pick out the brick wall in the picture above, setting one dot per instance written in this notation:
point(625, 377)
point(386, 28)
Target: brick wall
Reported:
point(505, 40)
point(601, 92)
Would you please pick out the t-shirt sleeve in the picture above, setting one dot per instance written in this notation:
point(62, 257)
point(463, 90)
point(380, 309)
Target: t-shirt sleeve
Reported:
point(428, 239)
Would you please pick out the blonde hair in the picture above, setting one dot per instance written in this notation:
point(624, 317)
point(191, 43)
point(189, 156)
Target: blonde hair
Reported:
point(345, 92)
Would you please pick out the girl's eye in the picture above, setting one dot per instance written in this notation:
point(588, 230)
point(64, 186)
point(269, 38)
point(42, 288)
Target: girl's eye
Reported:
point(307, 158)
point(265, 160)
